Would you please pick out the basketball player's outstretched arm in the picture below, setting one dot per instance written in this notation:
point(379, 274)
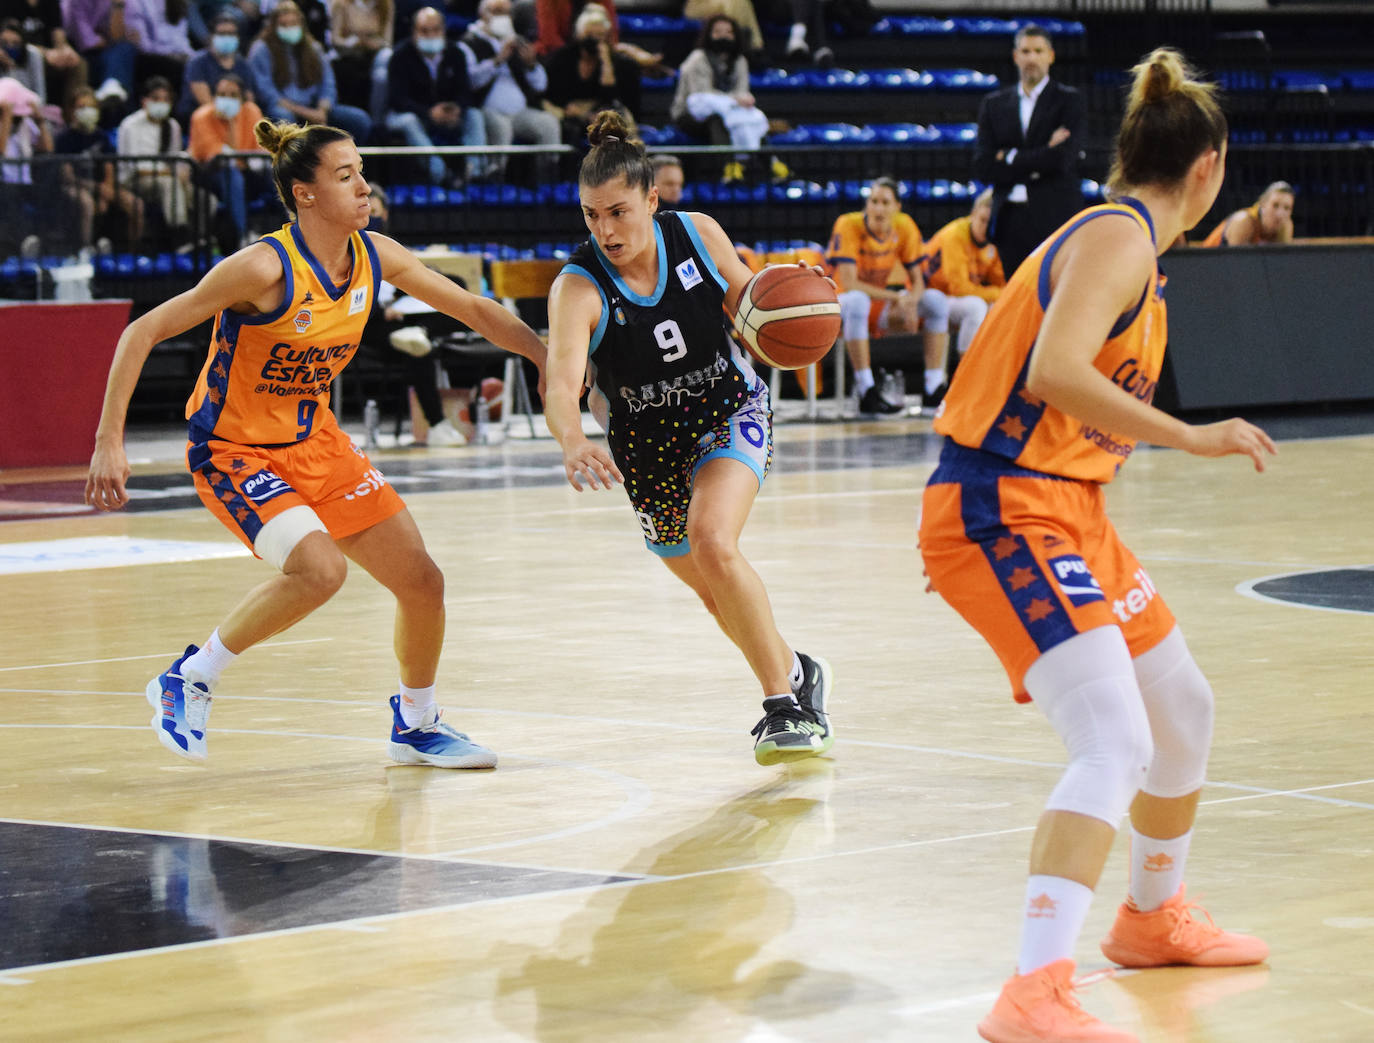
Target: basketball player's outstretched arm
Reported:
point(1098, 276)
point(406, 272)
point(249, 281)
point(574, 310)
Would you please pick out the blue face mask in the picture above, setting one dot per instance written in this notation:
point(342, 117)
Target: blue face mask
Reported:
point(289, 34)
point(430, 45)
point(224, 43)
point(227, 107)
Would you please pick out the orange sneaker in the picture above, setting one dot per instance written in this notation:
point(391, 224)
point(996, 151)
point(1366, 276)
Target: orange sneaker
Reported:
point(1040, 1007)
point(1172, 935)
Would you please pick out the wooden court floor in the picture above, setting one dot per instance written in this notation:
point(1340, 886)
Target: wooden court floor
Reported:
point(629, 873)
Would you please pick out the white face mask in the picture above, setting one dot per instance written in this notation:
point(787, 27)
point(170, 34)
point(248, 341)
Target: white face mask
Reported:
point(158, 110)
point(86, 117)
point(501, 26)
point(227, 107)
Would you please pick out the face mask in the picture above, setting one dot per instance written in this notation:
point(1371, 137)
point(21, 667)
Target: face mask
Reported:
point(17, 53)
point(589, 45)
point(501, 26)
point(158, 110)
point(721, 45)
point(228, 107)
point(223, 43)
point(430, 44)
point(290, 34)
point(86, 117)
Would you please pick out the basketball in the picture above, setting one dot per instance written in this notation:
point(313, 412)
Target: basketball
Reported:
point(788, 316)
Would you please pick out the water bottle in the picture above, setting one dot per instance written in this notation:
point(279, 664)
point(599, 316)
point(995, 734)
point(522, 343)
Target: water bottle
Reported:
point(482, 423)
point(372, 419)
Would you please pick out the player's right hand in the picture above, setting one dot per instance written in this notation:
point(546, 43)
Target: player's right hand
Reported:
point(107, 479)
point(585, 459)
point(1232, 436)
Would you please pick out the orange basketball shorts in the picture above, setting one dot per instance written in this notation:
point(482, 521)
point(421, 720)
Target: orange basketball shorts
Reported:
point(1030, 560)
point(246, 486)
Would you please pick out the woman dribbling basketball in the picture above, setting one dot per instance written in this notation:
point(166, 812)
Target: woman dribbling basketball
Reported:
point(1048, 403)
point(687, 419)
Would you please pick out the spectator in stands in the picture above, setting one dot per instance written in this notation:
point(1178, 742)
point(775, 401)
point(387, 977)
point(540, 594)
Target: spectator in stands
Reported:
point(161, 30)
point(201, 15)
point(40, 24)
point(875, 254)
point(164, 184)
point(108, 209)
point(226, 125)
point(295, 79)
point(22, 61)
point(668, 179)
point(964, 266)
point(429, 95)
point(556, 19)
point(744, 16)
point(100, 33)
point(360, 30)
point(314, 14)
point(807, 38)
point(24, 133)
point(713, 102)
point(1268, 221)
point(587, 76)
point(509, 83)
point(1029, 140)
point(220, 58)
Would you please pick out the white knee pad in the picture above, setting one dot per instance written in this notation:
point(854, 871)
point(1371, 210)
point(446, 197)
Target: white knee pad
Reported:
point(854, 306)
point(933, 308)
point(968, 314)
point(1180, 706)
point(1087, 690)
point(278, 538)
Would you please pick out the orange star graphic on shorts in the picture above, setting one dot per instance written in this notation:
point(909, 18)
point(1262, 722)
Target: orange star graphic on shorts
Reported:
point(1021, 578)
point(213, 395)
point(1038, 610)
point(1042, 906)
point(241, 513)
point(1160, 863)
point(1005, 547)
point(1025, 396)
point(1012, 427)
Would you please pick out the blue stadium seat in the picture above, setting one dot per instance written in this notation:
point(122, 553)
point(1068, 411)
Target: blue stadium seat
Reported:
point(963, 80)
point(633, 23)
point(904, 134)
point(805, 192)
point(1359, 79)
point(893, 79)
point(1295, 79)
point(955, 133)
point(913, 25)
point(779, 79)
point(662, 137)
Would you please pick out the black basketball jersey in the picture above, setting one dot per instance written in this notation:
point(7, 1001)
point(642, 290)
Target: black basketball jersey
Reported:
point(665, 362)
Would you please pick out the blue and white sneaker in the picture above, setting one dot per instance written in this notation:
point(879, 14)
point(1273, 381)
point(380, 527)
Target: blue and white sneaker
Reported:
point(181, 710)
point(433, 742)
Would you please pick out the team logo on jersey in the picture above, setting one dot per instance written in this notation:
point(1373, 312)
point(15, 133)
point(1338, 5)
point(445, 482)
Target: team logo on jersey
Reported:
point(619, 315)
point(302, 320)
point(264, 486)
point(1078, 584)
point(358, 301)
point(688, 272)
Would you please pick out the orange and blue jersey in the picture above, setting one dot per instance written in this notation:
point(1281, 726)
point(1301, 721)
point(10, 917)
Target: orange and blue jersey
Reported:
point(874, 257)
point(958, 266)
point(1218, 234)
point(266, 380)
point(989, 407)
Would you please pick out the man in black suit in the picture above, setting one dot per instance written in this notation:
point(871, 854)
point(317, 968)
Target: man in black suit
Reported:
point(1029, 141)
point(429, 96)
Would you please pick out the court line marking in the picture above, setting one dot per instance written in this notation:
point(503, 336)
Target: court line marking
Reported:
point(1309, 793)
point(153, 655)
point(1247, 589)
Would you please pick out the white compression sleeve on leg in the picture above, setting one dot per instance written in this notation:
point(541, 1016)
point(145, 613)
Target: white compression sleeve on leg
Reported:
point(854, 314)
point(278, 538)
point(1180, 705)
point(1087, 690)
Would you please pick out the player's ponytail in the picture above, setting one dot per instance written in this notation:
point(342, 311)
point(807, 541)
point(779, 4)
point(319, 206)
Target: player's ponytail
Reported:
point(615, 152)
point(295, 152)
point(1171, 119)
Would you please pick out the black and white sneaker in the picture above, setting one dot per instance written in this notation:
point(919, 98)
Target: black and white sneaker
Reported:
point(931, 400)
point(791, 730)
point(874, 403)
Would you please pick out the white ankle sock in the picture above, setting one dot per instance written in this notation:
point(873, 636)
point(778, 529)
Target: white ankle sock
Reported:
point(415, 703)
point(1157, 868)
point(209, 662)
point(863, 380)
point(797, 38)
point(798, 676)
point(1055, 911)
point(934, 378)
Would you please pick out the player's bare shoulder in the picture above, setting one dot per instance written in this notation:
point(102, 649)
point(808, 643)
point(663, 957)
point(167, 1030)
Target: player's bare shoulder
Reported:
point(253, 277)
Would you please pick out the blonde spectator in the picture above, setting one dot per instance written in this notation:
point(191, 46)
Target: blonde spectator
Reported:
point(1268, 221)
